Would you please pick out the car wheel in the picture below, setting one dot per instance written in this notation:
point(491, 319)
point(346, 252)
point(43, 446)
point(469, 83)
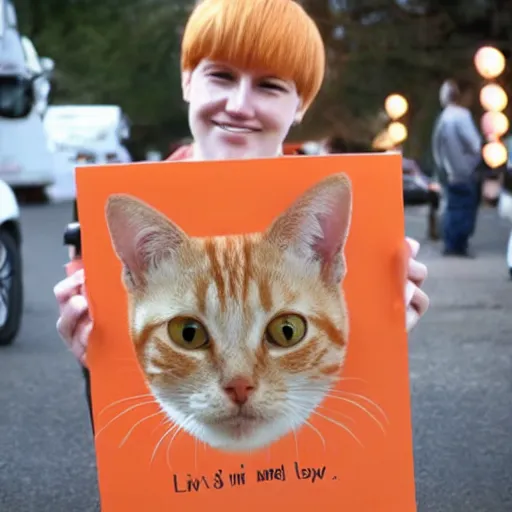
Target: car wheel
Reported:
point(11, 288)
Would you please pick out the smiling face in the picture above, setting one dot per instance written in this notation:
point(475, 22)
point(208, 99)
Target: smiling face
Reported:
point(250, 68)
point(235, 113)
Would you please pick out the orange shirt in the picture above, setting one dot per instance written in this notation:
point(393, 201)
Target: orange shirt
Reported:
point(182, 153)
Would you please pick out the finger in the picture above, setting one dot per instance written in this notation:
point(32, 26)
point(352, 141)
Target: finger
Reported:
point(75, 308)
point(68, 287)
point(81, 339)
point(417, 272)
point(411, 318)
point(414, 245)
point(82, 331)
point(78, 351)
point(83, 291)
point(83, 360)
point(420, 302)
point(410, 288)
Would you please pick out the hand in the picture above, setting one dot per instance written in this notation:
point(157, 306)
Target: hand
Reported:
point(416, 300)
point(74, 324)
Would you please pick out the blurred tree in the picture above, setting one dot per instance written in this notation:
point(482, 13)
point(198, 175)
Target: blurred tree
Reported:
point(376, 47)
point(124, 52)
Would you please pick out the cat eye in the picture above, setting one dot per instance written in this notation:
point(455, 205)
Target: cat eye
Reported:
point(286, 330)
point(188, 333)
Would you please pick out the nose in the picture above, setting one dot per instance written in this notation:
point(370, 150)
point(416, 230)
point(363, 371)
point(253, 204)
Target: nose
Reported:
point(240, 101)
point(239, 390)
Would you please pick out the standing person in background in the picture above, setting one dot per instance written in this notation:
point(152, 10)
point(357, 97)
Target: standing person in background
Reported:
point(505, 200)
point(456, 146)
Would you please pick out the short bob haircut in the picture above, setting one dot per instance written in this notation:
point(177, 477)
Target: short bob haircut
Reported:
point(273, 35)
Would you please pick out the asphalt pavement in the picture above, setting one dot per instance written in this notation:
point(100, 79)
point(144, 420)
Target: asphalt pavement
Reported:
point(460, 367)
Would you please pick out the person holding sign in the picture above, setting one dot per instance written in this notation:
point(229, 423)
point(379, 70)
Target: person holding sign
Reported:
point(245, 87)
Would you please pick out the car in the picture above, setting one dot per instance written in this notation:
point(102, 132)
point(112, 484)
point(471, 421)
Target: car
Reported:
point(11, 268)
point(27, 162)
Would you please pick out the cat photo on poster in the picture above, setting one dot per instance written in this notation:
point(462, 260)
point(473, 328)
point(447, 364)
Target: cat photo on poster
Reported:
point(239, 337)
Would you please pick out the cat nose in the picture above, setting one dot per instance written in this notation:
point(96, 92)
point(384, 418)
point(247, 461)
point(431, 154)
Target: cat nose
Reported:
point(239, 390)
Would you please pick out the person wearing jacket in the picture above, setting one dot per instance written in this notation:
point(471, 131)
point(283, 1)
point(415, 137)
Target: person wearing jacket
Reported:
point(456, 146)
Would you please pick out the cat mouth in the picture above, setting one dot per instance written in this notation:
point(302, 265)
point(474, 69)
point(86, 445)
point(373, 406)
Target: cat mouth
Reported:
point(239, 425)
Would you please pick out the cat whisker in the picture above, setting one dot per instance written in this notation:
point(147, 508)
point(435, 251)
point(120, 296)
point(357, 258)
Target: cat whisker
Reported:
point(328, 409)
point(296, 444)
point(165, 420)
point(122, 414)
point(298, 405)
point(358, 405)
point(138, 423)
point(333, 392)
point(365, 398)
point(126, 399)
point(344, 427)
point(314, 429)
point(311, 385)
point(180, 429)
point(167, 432)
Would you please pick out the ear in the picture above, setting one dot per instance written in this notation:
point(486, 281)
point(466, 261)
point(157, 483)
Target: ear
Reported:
point(186, 77)
point(141, 236)
point(316, 226)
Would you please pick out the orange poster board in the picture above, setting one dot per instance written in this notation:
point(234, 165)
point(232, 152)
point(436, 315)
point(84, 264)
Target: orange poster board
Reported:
point(240, 342)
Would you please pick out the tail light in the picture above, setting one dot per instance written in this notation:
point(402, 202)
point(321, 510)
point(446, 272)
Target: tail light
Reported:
point(85, 158)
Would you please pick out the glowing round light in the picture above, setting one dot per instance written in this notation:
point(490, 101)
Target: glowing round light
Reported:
point(396, 106)
point(493, 97)
point(397, 132)
point(489, 62)
point(382, 141)
point(494, 125)
point(494, 154)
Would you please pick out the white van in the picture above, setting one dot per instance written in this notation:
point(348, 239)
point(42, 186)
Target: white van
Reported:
point(26, 157)
point(84, 135)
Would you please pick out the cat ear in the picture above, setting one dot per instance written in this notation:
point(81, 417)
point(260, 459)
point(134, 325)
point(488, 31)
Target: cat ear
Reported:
point(316, 226)
point(141, 236)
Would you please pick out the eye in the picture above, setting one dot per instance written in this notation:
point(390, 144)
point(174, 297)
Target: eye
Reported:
point(273, 86)
point(286, 330)
point(222, 75)
point(188, 333)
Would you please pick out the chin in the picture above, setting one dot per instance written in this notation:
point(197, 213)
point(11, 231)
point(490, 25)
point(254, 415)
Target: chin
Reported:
point(246, 432)
point(235, 153)
point(243, 435)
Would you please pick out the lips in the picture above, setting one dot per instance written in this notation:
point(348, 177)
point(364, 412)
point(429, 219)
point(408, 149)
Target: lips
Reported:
point(236, 420)
point(235, 128)
point(241, 426)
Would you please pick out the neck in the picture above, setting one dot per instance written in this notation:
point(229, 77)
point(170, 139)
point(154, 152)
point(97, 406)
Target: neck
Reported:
point(198, 156)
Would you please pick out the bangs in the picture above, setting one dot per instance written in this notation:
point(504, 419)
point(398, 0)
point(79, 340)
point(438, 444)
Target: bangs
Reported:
point(275, 36)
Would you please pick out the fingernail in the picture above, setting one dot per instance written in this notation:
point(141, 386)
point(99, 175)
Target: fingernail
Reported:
point(414, 245)
point(78, 303)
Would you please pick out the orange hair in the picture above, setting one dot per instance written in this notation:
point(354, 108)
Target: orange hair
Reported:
point(273, 35)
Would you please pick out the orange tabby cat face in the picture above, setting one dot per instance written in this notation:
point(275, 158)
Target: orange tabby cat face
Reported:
point(239, 337)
